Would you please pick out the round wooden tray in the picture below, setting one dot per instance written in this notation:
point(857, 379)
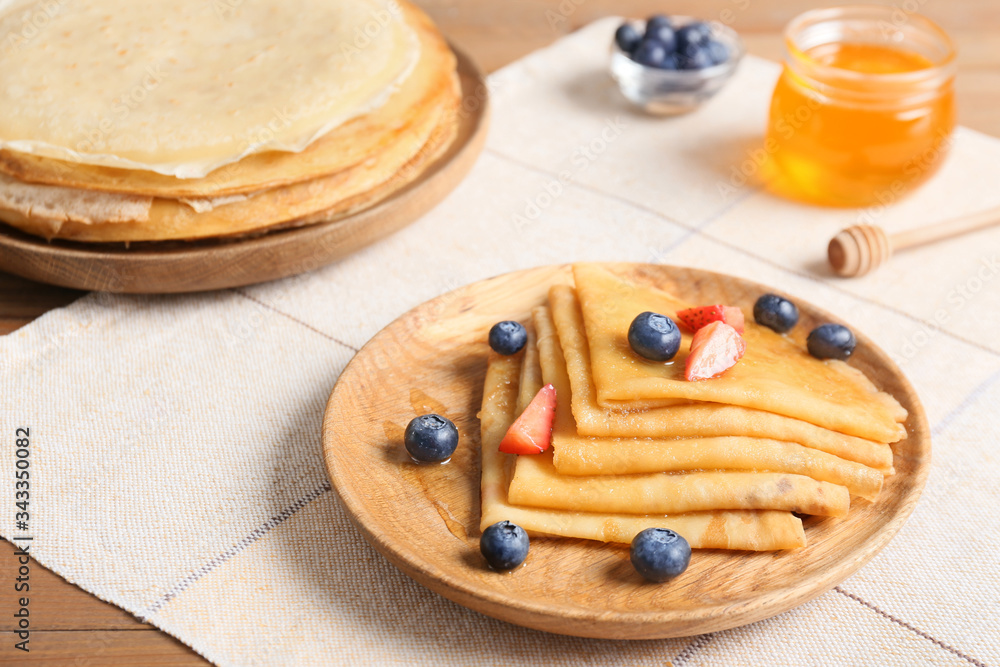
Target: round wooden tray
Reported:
point(216, 264)
point(425, 518)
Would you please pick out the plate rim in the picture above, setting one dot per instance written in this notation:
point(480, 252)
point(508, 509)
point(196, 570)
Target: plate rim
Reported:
point(649, 623)
point(107, 267)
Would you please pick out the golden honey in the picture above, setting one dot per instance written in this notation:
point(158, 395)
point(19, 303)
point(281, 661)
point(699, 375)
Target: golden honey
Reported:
point(864, 109)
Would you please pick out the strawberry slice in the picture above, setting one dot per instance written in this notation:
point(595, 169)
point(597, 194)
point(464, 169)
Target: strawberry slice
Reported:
point(696, 318)
point(531, 433)
point(733, 316)
point(715, 348)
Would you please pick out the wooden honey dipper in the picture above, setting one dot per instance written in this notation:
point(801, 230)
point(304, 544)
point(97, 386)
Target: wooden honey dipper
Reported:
point(860, 249)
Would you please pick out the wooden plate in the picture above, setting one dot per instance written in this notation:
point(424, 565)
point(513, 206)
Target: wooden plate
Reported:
point(215, 264)
point(425, 518)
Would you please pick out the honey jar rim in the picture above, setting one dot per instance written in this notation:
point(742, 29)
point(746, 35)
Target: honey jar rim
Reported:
point(941, 70)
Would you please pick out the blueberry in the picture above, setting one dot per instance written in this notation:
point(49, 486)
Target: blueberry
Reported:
point(659, 554)
point(693, 33)
point(627, 37)
point(701, 27)
point(504, 545)
point(654, 336)
point(670, 62)
point(775, 312)
point(662, 33)
point(657, 21)
point(650, 53)
point(508, 337)
point(694, 56)
point(717, 51)
point(831, 341)
point(430, 438)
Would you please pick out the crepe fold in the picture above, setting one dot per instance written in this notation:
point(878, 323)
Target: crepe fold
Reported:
point(775, 374)
point(693, 420)
point(743, 530)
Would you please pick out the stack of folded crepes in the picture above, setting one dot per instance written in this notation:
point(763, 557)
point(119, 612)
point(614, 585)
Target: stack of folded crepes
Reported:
point(727, 462)
point(130, 121)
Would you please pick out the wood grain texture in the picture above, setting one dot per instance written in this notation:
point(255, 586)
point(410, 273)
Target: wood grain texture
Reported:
point(496, 33)
point(218, 264)
point(22, 300)
point(71, 626)
point(56, 606)
point(571, 587)
point(100, 648)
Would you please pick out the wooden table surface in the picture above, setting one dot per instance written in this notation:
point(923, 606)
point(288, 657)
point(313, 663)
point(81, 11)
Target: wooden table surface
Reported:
point(70, 626)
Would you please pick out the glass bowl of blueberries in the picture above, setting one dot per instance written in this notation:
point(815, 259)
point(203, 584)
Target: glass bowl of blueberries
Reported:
point(672, 64)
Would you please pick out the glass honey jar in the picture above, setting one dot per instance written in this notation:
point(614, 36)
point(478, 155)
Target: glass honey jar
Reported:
point(864, 109)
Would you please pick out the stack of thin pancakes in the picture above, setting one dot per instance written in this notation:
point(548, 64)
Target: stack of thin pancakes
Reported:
point(129, 121)
point(729, 462)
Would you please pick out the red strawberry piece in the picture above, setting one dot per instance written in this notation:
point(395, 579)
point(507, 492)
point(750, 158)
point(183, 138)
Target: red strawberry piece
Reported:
point(733, 316)
point(695, 318)
point(531, 433)
point(715, 348)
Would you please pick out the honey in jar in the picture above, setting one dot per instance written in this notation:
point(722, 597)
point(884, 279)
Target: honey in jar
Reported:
point(864, 109)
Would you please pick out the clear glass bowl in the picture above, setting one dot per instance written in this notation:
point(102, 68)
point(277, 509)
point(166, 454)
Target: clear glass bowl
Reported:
point(666, 92)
